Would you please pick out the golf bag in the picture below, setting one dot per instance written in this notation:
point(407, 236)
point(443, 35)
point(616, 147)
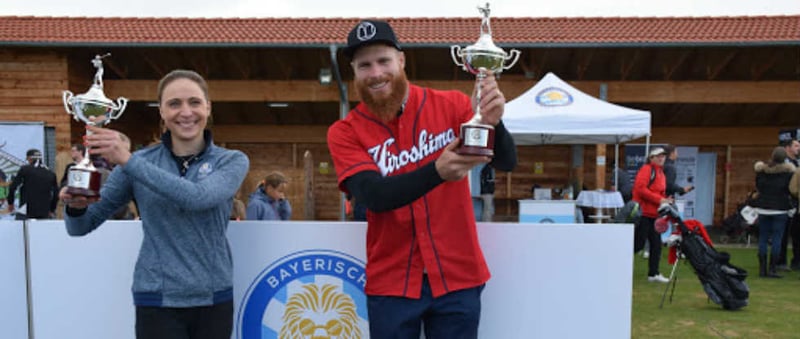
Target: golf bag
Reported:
point(723, 282)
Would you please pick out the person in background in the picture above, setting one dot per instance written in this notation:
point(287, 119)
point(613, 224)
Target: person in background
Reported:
point(671, 173)
point(38, 189)
point(269, 201)
point(625, 186)
point(183, 186)
point(649, 191)
point(773, 205)
point(396, 153)
point(788, 139)
point(76, 152)
point(238, 209)
point(3, 188)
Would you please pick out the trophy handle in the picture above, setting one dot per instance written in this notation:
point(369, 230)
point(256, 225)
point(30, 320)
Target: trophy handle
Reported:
point(67, 98)
point(514, 56)
point(122, 102)
point(455, 52)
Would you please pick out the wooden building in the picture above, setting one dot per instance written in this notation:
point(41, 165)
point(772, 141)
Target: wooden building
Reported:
point(724, 84)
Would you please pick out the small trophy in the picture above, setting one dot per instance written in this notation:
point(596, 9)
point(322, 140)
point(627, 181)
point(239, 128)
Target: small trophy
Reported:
point(93, 108)
point(478, 138)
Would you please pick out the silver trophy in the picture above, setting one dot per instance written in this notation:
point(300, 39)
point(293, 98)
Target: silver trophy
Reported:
point(483, 56)
point(94, 109)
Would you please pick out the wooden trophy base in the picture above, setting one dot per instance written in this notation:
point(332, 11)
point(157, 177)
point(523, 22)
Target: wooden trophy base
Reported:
point(476, 139)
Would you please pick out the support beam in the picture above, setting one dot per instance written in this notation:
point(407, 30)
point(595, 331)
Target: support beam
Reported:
point(714, 136)
point(670, 68)
point(626, 64)
point(270, 134)
point(758, 70)
point(717, 92)
point(695, 136)
point(600, 166)
point(713, 72)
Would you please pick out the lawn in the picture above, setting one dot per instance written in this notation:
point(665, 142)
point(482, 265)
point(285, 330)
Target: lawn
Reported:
point(773, 311)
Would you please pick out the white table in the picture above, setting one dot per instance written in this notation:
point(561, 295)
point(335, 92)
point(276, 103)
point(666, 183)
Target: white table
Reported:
point(600, 199)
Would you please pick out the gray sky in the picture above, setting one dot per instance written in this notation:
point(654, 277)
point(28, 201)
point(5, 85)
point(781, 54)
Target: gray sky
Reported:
point(401, 8)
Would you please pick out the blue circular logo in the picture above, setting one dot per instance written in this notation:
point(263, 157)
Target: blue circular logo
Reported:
point(313, 293)
point(553, 96)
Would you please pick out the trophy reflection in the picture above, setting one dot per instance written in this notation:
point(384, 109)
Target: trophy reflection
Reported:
point(94, 109)
point(478, 138)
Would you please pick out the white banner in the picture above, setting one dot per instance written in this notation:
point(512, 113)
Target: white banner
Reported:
point(539, 287)
point(686, 169)
point(13, 289)
point(81, 286)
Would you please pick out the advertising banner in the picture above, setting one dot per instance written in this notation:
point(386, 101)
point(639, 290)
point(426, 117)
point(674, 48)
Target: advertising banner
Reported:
point(13, 289)
point(81, 285)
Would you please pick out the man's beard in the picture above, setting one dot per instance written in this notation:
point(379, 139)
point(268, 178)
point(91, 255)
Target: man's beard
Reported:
point(386, 105)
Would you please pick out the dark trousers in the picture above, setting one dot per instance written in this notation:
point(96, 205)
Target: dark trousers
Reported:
point(203, 322)
point(453, 315)
point(645, 230)
point(792, 229)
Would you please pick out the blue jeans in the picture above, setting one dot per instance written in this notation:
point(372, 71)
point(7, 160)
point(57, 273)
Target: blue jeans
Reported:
point(770, 228)
point(453, 315)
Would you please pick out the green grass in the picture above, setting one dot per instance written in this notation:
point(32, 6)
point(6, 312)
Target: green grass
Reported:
point(772, 313)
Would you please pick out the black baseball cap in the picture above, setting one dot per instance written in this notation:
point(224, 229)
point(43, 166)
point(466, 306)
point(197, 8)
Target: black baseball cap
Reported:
point(369, 32)
point(33, 153)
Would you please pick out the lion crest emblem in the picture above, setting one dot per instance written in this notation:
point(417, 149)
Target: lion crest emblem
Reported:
point(320, 313)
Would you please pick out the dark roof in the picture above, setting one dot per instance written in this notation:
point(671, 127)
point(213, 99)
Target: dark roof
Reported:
point(72, 31)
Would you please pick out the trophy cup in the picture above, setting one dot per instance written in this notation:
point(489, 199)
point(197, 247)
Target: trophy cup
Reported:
point(478, 138)
point(95, 109)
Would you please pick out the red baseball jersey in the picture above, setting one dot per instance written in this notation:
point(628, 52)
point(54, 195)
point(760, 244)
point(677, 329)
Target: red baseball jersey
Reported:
point(434, 234)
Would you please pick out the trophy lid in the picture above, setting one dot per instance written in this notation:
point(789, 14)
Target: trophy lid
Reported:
point(485, 45)
point(95, 95)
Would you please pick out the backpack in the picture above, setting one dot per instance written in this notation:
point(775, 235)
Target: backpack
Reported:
point(487, 180)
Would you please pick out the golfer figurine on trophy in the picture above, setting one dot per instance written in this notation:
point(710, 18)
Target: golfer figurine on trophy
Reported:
point(478, 138)
point(95, 109)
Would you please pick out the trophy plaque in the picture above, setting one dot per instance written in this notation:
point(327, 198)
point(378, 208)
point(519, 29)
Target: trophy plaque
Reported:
point(95, 109)
point(478, 138)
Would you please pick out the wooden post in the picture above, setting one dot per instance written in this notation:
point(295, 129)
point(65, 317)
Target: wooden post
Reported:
point(600, 166)
point(728, 168)
point(308, 181)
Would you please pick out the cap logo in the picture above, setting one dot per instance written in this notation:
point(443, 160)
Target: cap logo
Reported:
point(365, 31)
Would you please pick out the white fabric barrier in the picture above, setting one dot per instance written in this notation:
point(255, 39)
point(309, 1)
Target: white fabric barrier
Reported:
point(557, 280)
point(549, 281)
point(13, 289)
point(81, 286)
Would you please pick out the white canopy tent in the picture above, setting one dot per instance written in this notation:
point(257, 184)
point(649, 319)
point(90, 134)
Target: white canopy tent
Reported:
point(553, 112)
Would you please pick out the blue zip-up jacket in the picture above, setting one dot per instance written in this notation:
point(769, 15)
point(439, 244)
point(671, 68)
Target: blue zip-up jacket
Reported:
point(185, 259)
point(263, 207)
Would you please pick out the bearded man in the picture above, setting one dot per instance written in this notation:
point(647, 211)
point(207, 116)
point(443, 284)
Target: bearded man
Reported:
point(396, 153)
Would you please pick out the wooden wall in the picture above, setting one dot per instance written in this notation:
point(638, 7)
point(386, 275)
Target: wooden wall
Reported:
point(30, 90)
point(31, 82)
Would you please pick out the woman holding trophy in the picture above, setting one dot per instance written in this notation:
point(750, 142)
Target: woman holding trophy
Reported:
point(184, 188)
